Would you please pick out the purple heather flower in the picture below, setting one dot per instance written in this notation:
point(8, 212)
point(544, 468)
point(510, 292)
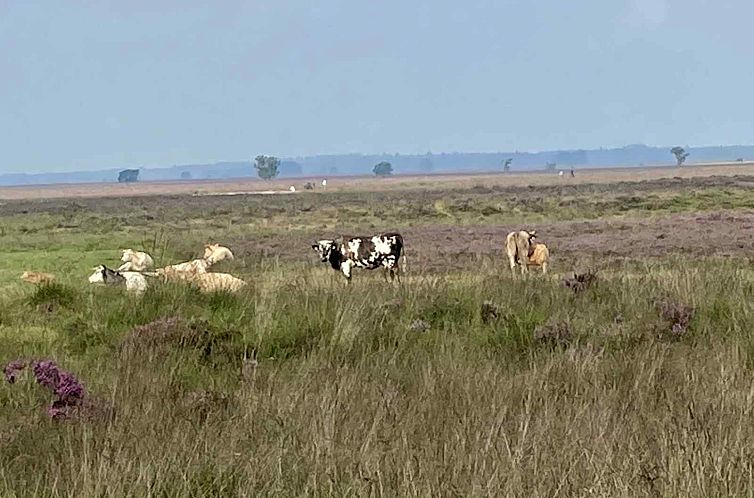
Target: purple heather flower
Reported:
point(12, 370)
point(65, 386)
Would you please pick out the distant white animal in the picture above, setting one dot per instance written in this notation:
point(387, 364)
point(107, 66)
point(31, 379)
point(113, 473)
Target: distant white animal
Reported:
point(132, 281)
point(292, 188)
point(135, 261)
point(324, 183)
point(214, 253)
point(560, 174)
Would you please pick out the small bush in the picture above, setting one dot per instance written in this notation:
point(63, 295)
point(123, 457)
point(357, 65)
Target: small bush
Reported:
point(579, 283)
point(676, 316)
point(49, 297)
point(555, 333)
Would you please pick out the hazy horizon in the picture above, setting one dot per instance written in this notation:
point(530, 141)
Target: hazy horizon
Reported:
point(167, 83)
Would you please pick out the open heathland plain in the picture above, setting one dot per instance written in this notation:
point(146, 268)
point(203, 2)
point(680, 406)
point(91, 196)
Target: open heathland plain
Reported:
point(636, 379)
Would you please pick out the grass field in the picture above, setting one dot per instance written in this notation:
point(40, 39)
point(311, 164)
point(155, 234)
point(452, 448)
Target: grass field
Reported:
point(460, 381)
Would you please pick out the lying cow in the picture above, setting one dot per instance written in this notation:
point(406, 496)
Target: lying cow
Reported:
point(135, 261)
point(132, 281)
point(215, 282)
point(382, 250)
point(37, 277)
point(523, 251)
point(193, 267)
point(206, 282)
point(214, 253)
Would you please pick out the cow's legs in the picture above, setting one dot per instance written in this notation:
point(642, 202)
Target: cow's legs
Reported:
point(544, 268)
point(345, 267)
point(512, 261)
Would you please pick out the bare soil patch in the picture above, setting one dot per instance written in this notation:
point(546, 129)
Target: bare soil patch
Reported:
point(439, 248)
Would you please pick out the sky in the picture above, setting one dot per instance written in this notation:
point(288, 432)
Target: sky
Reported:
point(146, 83)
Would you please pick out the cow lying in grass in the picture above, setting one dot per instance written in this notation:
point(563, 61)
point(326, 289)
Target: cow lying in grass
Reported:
point(135, 261)
point(206, 282)
point(213, 253)
point(37, 277)
point(523, 251)
point(373, 252)
point(132, 281)
point(194, 267)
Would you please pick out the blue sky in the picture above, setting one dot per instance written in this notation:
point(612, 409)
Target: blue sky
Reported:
point(88, 85)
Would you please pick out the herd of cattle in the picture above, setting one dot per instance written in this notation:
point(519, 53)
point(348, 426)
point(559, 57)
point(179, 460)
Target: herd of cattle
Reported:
point(384, 251)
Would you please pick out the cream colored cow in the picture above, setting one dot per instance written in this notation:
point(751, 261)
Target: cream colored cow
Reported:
point(214, 253)
point(135, 261)
point(517, 247)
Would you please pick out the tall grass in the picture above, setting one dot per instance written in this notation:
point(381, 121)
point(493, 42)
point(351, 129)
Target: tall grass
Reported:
point(349, 399)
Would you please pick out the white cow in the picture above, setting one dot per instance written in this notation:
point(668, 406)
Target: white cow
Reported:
point(135, 261)
point(131, 280)
point(214, 253)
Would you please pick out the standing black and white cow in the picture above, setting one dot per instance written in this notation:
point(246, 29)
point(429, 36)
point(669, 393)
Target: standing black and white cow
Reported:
point(373, 252)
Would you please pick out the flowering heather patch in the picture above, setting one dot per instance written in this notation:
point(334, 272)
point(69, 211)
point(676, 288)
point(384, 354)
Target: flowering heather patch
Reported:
point(68, 391)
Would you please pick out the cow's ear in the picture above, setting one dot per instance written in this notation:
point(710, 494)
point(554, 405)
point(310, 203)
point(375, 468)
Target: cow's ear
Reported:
point(314, 246)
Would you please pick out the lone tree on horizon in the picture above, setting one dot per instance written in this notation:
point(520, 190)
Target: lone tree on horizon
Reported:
point(680, 155)
point(267, 167)
point(507, 164)
point(383, 168)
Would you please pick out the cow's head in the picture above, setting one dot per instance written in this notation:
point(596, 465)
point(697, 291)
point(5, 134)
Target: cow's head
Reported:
point(98, 277)
point(127, 255)
point(324, 249)
point(209, 249)
point(104, 275)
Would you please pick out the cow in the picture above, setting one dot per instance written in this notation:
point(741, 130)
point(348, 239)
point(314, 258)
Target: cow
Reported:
point(215, 282)
point(214, 253)
point(135, 261)
point(517, 247)
point(192, 267)
point(37, 277)
point(131, 280)
point(539, 255)
point(371, 252)
point(206, 282)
